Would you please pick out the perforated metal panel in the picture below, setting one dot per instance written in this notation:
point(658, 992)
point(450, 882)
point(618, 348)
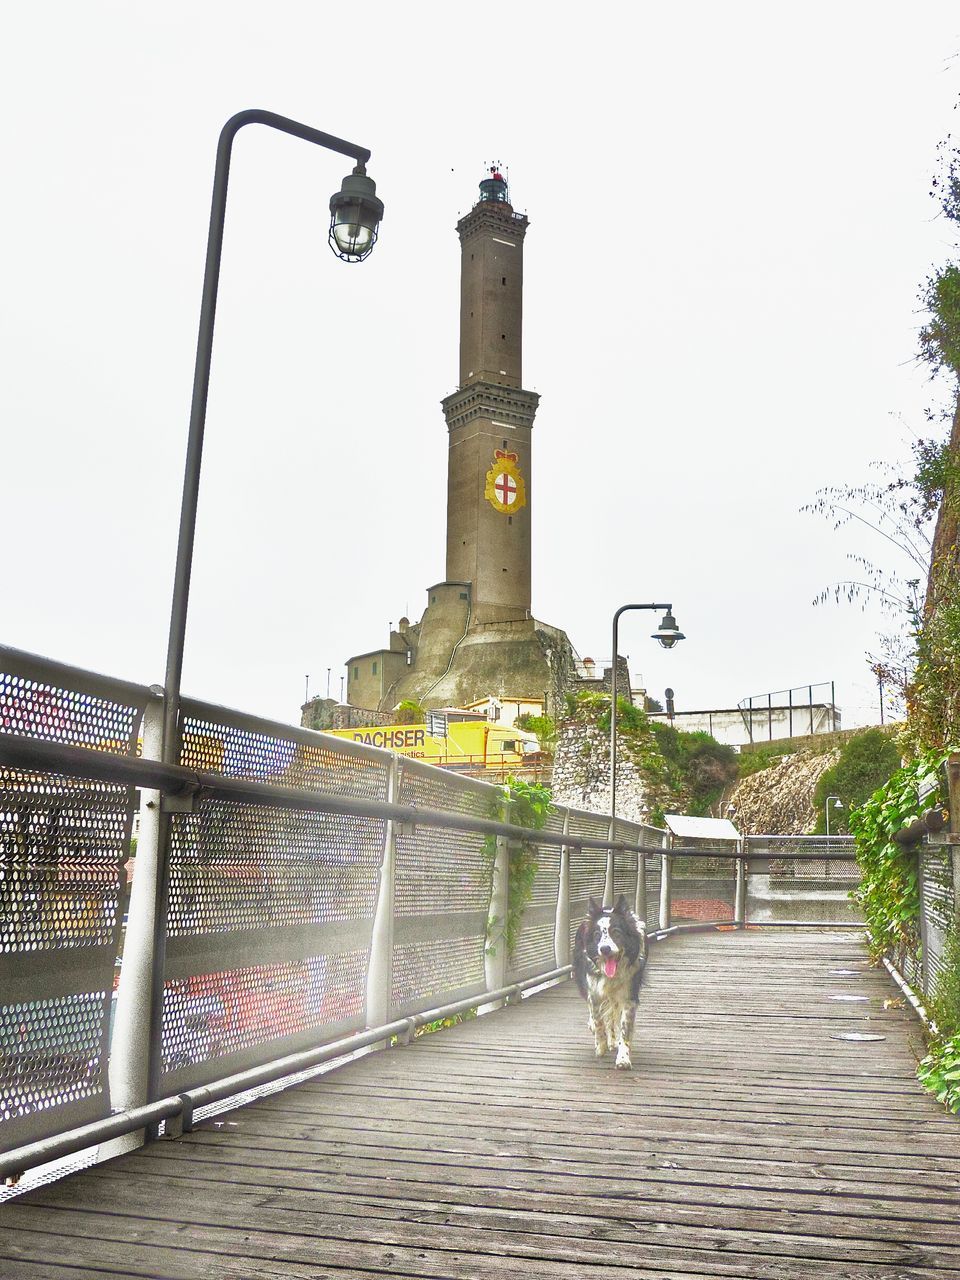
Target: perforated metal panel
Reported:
point(42, 709)
point(217, 740)
point(442, 893)
point(64, 844)
point(703, 890)
point(789, 888)
point(938, 910)
point(535, 948)
point(214, 1016)
point(836, 857)
point(236, 867)
point(270, 910)
point(625, 871)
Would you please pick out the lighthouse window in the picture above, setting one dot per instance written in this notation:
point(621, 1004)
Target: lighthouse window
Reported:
point(356, 673)
point(374, 668)
point(509, 519)
point(503, 279)
point(503, 336)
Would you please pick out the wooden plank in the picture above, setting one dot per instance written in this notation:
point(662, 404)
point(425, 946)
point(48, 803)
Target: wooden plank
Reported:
point(243, 1206)
point(748, 1142)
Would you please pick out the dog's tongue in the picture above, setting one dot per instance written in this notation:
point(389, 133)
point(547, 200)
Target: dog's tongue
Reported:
point(610, 965)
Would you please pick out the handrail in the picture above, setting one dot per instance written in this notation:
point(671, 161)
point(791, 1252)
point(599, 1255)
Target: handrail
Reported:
point(174, 780)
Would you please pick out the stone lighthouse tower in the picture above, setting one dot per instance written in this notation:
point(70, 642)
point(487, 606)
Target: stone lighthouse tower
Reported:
point(477, 637)
point(490, 416)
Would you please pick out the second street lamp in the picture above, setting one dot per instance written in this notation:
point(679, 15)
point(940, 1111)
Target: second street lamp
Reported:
point(667, 634)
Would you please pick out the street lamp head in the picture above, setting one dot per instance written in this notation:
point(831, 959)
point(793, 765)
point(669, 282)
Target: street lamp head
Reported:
point(668, 633)
point(355, 214)
point(839, 804)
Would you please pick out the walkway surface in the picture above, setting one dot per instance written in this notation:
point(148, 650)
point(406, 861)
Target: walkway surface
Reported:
point(748, 1141)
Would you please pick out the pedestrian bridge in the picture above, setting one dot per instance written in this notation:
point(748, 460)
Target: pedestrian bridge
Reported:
point(299, 907)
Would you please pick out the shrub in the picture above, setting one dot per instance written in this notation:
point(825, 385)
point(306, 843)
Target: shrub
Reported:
point(867, 761)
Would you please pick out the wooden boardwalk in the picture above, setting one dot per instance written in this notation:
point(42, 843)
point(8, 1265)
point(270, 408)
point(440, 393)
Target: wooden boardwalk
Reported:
point(748, 1141)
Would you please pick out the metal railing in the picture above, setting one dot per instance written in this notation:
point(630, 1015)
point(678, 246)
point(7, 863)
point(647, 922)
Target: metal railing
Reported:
point(290, 897)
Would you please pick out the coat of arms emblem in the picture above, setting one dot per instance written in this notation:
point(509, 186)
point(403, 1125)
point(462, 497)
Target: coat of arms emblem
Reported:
point(505, 489)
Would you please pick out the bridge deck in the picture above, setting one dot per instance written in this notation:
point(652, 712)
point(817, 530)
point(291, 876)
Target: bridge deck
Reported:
point(748, 1141)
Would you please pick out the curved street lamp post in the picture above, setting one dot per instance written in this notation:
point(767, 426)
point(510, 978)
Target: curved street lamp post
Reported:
point(826, 810)
point(355, 213)
point(667, 634)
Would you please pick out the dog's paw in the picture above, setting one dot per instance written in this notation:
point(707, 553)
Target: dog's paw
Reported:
point(623, 1058)
point(601, 1048)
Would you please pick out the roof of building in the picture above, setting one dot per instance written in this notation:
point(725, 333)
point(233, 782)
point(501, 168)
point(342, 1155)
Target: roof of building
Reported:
point(681, 824)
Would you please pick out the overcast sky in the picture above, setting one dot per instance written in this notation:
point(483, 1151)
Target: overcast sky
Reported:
point(729, 223)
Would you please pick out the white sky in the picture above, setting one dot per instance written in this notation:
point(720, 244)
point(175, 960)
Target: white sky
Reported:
point(729, 223)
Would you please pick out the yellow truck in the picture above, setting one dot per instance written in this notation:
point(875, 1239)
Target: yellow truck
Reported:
point(468, 744)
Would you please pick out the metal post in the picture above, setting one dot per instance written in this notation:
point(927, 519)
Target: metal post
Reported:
point(770, 716)
point(640, 902)
point(790, 712)
point(833, 706)
point(624, 608)
point(130, 1045)
point(379, 993)
point(495, 954)
point(609, 879)
point(561, 931)
point(810, 695)
point(666, 889)
point(740, 895)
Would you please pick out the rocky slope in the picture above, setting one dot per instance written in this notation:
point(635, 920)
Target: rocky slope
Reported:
point(779, 800)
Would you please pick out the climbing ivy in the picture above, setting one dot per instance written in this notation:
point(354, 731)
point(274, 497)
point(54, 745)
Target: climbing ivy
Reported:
point(889, 889)
point(527, 805)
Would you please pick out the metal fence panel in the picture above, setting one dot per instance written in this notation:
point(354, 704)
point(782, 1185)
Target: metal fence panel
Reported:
point(270, 910)
point(534, 951)
point(625, 864)
point(703, 890)
point(442, 892)
point(64, 846)
point(938, 914)
point(783, 887)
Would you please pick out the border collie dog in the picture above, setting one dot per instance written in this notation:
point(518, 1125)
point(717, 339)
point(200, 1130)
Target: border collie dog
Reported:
point(609, 957)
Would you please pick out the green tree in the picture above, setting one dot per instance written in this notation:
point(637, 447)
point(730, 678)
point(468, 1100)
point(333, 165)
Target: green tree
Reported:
point(867, 762)
point(410, 712)
point(699, 767)
point(544, 727)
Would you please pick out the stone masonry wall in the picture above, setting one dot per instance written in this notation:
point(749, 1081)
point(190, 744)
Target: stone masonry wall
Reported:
point(581, 773)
